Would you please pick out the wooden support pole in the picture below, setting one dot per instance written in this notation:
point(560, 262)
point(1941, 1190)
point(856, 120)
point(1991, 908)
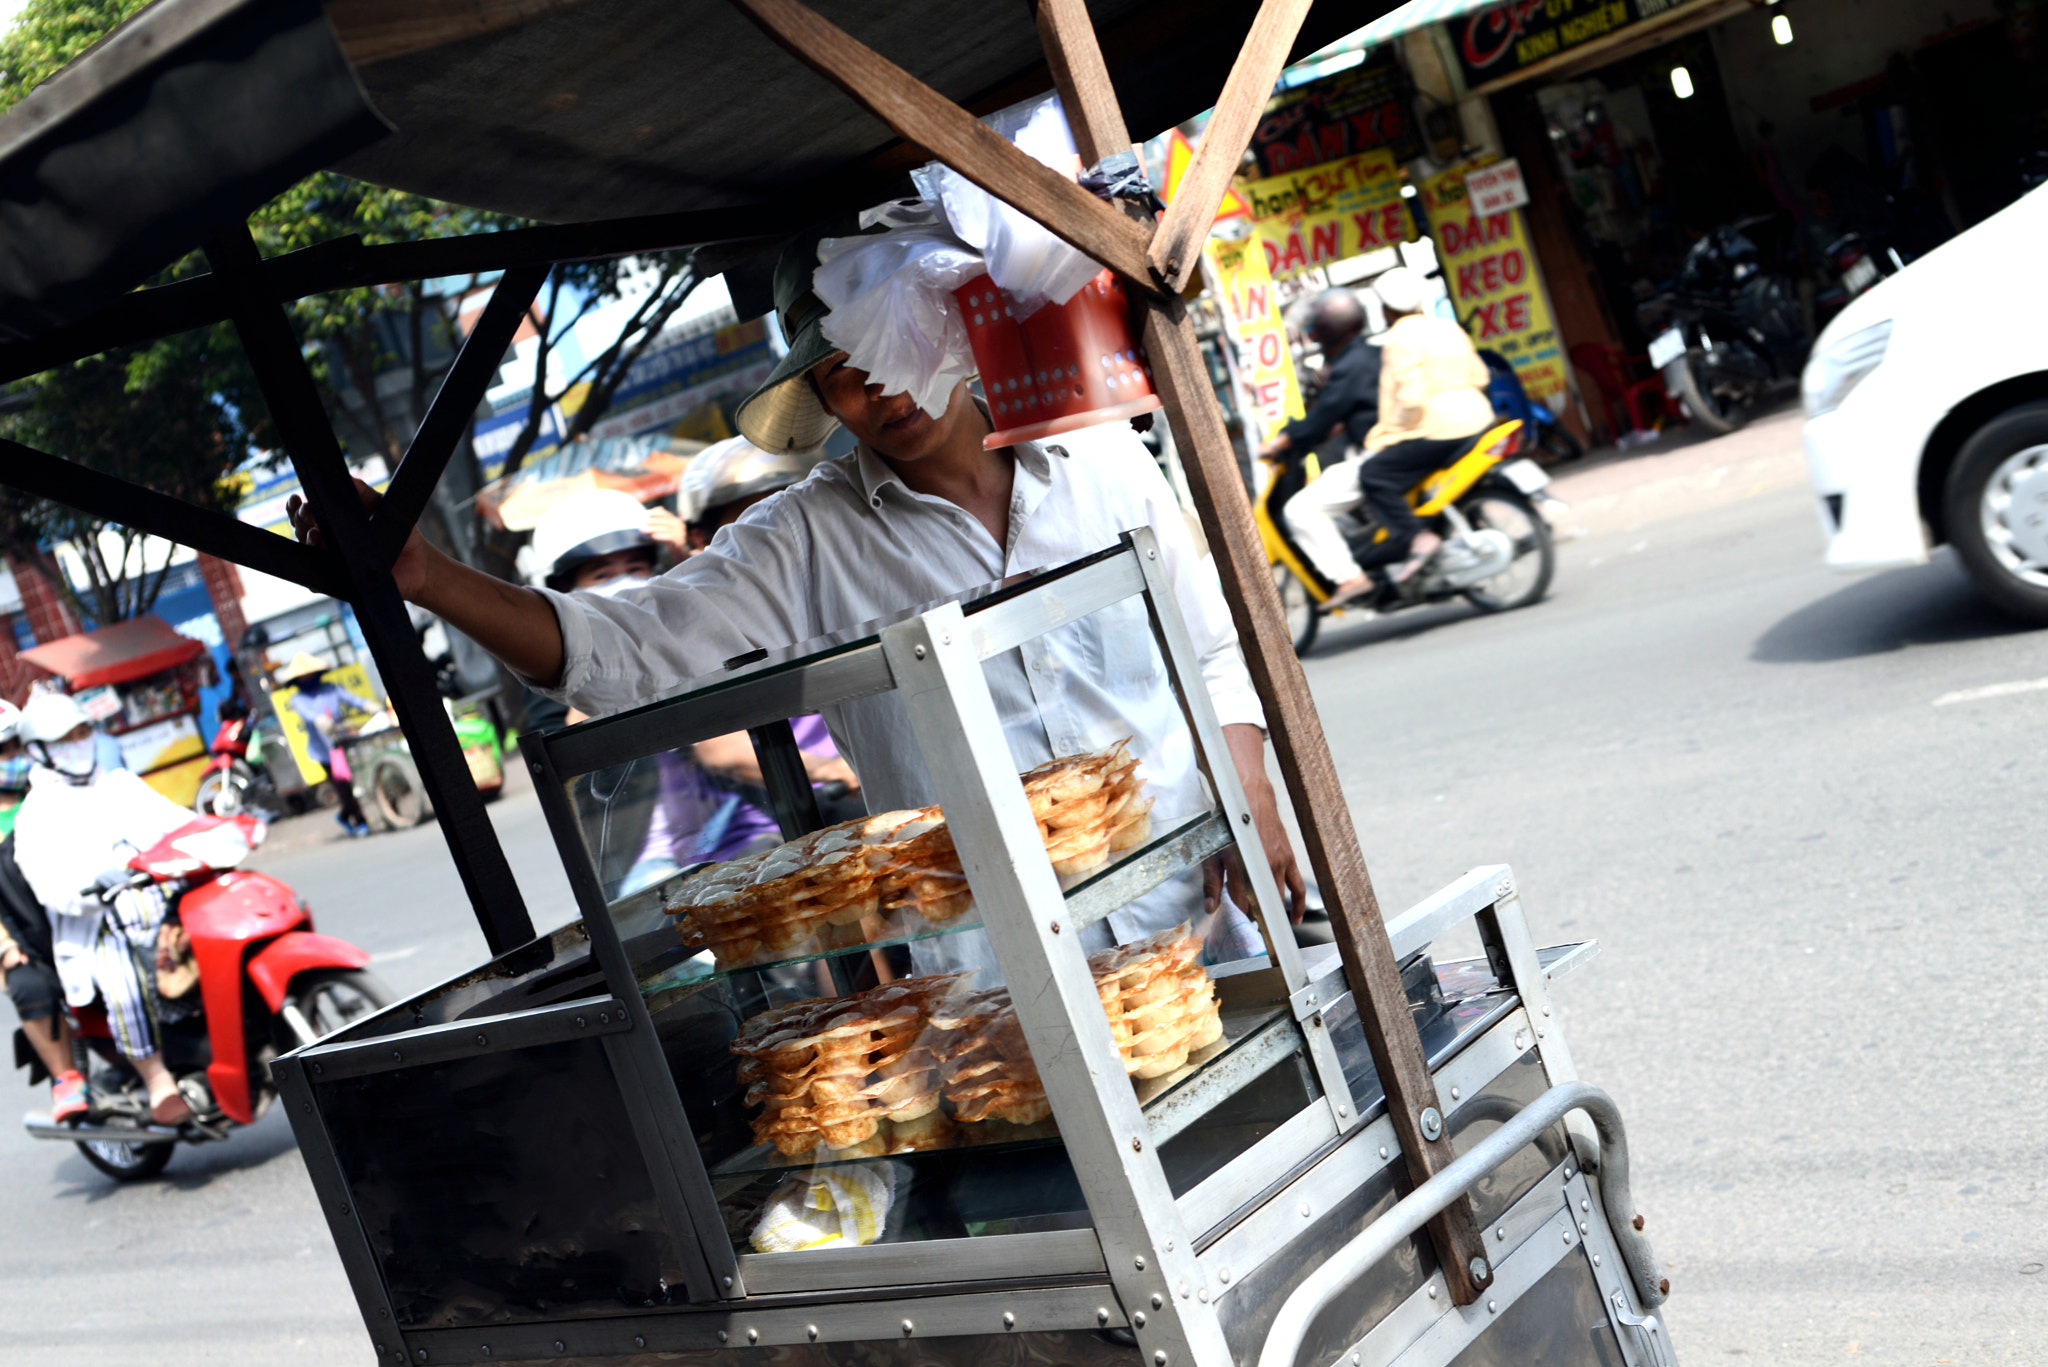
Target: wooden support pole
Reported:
point(1182, 379)
point(1178, 243)
point(956, 137)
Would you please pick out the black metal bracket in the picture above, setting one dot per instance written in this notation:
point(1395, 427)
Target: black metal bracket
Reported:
point(274, 353)
point(146, 510)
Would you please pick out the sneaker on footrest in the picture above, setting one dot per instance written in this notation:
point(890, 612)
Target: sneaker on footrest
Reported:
point(67, 1097)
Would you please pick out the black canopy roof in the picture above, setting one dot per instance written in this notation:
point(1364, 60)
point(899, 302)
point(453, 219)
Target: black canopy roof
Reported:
point(564, 111)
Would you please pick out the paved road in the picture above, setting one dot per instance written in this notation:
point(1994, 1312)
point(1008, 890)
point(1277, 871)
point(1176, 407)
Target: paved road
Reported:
point(1823, 926)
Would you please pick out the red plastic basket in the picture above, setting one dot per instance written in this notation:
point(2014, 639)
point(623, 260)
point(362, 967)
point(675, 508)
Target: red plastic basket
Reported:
point(1067, 366)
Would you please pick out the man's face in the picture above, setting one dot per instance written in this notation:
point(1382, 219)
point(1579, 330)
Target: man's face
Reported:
point(588, 575)
point(705, 527)
point(892, 424)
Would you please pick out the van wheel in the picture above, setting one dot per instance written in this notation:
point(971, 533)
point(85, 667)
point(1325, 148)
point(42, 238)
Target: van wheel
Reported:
point(1996, 510)
point(1299, 608)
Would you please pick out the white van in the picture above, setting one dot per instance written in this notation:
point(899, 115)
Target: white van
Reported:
point(1927, 413)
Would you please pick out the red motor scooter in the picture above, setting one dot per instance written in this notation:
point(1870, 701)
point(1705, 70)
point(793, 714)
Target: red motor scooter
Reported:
point(231, 784)
point(267, 984)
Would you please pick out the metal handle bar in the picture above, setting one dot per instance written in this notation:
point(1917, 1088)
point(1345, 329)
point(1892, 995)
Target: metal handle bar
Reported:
point(1376, 1241)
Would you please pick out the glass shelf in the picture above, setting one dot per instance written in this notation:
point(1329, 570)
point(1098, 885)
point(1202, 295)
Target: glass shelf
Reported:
point(664, 965)
point(1228, 1060)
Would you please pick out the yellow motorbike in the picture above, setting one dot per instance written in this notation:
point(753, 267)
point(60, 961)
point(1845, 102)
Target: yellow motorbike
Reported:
point(1497, 553)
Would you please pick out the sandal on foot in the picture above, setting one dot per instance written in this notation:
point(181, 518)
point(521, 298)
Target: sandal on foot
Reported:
point(67, 1097)
point(171, 1109)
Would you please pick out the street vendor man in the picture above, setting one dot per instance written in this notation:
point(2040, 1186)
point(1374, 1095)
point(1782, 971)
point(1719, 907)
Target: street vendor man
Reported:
point(918, 513)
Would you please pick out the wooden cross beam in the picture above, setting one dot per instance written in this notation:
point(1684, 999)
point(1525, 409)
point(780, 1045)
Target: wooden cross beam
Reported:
point(1157, 261)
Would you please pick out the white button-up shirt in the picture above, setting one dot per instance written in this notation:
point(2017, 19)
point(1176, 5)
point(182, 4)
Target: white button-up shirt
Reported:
point(852, 544)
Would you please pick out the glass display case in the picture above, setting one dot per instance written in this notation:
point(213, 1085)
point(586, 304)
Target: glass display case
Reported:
point(972, 1069)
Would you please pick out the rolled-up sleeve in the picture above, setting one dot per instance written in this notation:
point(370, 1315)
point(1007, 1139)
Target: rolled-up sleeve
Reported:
point(745, 591)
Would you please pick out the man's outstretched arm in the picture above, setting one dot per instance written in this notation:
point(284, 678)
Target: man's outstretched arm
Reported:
point(514, 623)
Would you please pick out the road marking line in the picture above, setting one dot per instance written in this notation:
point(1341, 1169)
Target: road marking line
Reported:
point(1991, 691)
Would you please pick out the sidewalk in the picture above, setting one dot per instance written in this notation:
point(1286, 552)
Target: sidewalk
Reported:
point(1622, 490)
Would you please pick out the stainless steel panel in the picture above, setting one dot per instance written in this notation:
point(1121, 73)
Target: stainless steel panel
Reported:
point(440, 1043)
point(1098, 897)
point(1422, 923)
point(1009, 622)
point(1064, 1252)
point(1058, 1326)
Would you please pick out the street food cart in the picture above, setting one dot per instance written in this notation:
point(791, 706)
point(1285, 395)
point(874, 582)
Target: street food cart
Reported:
point(139, 681)
point(1359, 1155)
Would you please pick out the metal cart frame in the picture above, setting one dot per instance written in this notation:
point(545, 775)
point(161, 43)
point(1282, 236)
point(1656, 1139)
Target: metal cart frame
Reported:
point(117, 80)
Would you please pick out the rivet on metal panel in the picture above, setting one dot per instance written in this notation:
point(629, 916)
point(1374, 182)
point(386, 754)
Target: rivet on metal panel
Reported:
point(754, 1335)
point(812, 1331)
point(728, 1282)
point(1183, 1289)
point(721, 1336)
point(1136, 1144)
point(397, 1057)
point(1137, 1319)
point(1055, 927)
point(1432, 1124)
point(1139, 1263)
point(561, 1347)
point(1432, 1293)
point(1582, 1227)
point(380, 1350)
point(1480, 1269)
point(1151, 555)
point(1455, 1094)
point(382, 1314)
point(309, 1108)
point(1159, 1358)
point(1637, 1222)
point(1596, 1260)
point(1539, 1032)
point(1521, 1040)
point(1102, 1314)
point(1383, 1151)
point(1501, 1233)
point(1224, 1276)
point(1311, 999)
point(1010, 1320)
point(945, 638)
point(481, 1041)
point(1492, 1307)
point(421, 1355)
point(639, 1342)
point(317, 1068)
point(581, 1023)
point(1546, 1009)
point(1566, 1235)
point(1246, 818)
point(1158, 1301)
point(1585, 1204)
point(908, 1328)
point(1203, 1295)
point(1663, 1286)
point(485, 1349)
point(1169, 1245)
point(1343, 1111)
point(917, 651)
point(1568, 1174)
point(344, 1208)
point(1304, 1204)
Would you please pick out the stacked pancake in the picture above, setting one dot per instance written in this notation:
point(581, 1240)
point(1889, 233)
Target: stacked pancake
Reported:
point(825, 885)
point(1159, 1001)
point(769, 904)
point(1089, 807)
point(855, 1075)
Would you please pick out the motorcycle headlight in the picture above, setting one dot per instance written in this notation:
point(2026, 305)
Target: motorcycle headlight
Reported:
point(1833, 372)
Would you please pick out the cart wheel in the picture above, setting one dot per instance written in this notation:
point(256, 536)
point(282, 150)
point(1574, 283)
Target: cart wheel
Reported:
point(125, 1162)
point(400, 799)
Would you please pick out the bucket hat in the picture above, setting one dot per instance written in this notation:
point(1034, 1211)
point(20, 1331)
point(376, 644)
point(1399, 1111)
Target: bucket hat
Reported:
point(785, 415)
point(301, 667)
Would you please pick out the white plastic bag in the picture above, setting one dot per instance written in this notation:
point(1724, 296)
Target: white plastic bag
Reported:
point(1022, 256)
point(836, 1207)
point(892, 307)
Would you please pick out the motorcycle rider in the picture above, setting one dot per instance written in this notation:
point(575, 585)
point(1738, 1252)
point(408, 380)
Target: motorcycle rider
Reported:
point(78, 827)
point(26, 955)
point(1349, 403)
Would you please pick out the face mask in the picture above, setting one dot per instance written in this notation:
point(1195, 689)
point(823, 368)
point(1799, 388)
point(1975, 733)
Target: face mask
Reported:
point(611, 588)
point(72, 758)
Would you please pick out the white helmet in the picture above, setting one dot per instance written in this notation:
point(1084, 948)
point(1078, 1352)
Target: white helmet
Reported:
point(733, 469)
point(584, 526)
point(10, 722)
point(1401, 290)
point(51, 716)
